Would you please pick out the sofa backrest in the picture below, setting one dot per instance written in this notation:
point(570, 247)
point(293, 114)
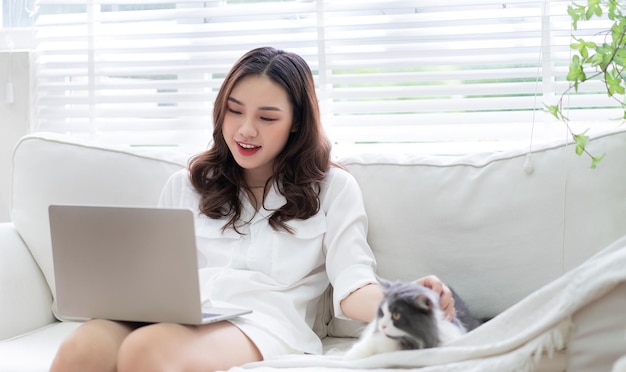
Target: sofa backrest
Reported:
point(487, 226)
point(50, 169)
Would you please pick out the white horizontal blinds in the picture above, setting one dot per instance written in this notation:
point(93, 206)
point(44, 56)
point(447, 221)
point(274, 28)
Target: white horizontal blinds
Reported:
point(410, 71)
point(148, 71)
point(401, 65)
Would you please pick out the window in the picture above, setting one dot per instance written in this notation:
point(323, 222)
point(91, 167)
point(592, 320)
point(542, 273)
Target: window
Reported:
point(147, 71)
point(16, 13)
point(16, 20)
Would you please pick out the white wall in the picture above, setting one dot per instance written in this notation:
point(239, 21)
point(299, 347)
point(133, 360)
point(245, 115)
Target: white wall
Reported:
point(15, 117)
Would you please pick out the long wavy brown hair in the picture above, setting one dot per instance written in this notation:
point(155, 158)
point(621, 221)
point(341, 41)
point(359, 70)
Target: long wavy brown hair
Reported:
point(299, 167)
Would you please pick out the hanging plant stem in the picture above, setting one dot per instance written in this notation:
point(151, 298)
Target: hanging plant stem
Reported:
point(607, 60)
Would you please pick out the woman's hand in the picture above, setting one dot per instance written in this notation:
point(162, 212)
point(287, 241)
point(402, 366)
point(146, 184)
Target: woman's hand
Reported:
point(446, 301)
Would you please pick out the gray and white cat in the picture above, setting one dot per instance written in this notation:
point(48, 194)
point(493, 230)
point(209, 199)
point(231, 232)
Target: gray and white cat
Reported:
point(409, 317)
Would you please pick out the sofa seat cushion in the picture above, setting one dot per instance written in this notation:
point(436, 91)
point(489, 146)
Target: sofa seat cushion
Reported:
point(34, 351)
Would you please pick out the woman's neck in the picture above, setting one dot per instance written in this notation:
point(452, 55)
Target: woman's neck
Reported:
point(256, 195)
point(257, 178)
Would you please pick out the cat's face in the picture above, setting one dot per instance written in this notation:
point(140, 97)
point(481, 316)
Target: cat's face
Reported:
point(392, 322)
point(407, 314)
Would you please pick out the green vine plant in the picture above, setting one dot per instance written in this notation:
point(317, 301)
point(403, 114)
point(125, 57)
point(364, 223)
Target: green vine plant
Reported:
point(605, 61)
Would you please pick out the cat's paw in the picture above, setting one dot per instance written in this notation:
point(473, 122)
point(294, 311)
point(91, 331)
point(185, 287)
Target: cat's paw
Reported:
point(351, 355)
point(358, 351)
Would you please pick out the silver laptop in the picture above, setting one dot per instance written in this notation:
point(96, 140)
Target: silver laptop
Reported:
point(128, 263)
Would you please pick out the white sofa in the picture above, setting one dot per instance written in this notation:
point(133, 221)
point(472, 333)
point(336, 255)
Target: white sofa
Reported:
point(496, 226)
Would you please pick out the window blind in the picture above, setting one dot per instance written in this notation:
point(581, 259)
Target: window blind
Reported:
point(454, 70)
point(147, 71)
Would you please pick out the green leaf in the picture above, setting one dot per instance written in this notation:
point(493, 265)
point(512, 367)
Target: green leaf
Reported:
point(581, 142)
point(598, 60)
point(598, 11)
point(583, 48)
point(554, 111)
point(612, 5)
point(593, 7)
point(584, 52)
point(620, 57)
point(579, 150)
point(614, 82)
point(595, 160)
point(574, 14)
point(603, 56)
point(576, 73)
point(591, 10)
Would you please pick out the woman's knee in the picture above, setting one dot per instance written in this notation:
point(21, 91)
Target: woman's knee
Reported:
point(149, 349)
point(93, 346)
point(73, 354)
point(174, 347)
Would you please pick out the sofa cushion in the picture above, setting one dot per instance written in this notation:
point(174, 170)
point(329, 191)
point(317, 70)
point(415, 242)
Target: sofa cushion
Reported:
point(34, 351)
point(25, 306)
point(49, 169)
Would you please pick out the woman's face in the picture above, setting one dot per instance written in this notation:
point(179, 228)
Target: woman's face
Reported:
point(256, 125)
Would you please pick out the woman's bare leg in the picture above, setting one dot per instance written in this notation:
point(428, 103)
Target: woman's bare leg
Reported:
point(92, 347)
point(174, 347)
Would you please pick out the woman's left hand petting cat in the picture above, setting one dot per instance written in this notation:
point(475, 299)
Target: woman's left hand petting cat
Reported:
point(446, 298)
point(410, 317)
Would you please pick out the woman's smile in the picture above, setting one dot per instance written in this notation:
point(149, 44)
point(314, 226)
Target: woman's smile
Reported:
point(247, 149)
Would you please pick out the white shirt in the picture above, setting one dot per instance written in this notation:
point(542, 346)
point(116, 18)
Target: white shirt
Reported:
point(280, 276)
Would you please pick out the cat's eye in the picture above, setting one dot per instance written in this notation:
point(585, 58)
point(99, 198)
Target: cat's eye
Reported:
point(395, 316)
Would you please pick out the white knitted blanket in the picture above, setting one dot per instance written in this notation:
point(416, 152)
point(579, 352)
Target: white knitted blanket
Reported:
point(512, 341)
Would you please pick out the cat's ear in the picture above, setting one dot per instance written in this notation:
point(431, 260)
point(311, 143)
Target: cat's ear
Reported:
point(383, 282)
point(423, 302)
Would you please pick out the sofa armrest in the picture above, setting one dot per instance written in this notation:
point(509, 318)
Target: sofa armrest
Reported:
point(25, 298)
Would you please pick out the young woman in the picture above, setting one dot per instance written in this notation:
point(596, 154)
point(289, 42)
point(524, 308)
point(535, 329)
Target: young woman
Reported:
point(276, 223)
